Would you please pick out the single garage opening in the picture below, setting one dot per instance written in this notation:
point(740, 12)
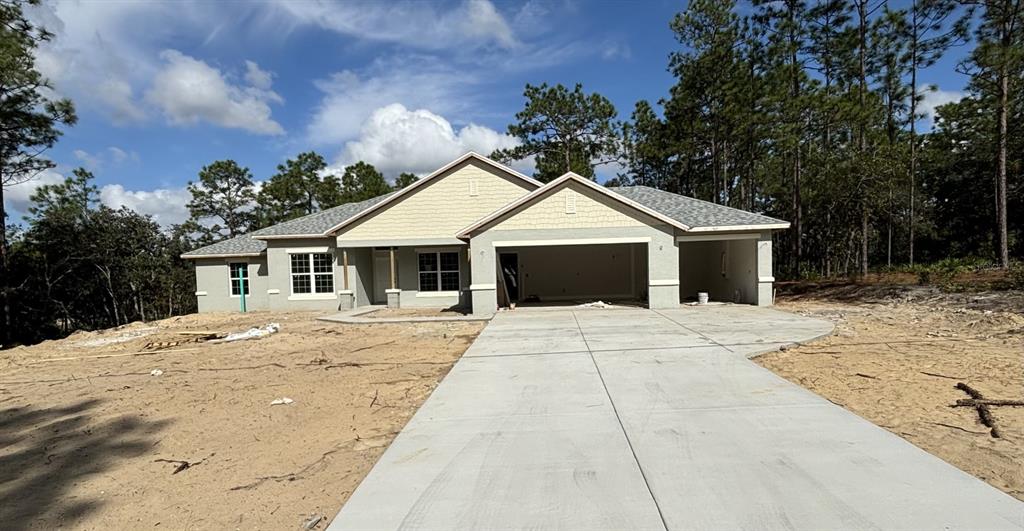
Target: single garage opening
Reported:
point(726, 269)
point(572, 274)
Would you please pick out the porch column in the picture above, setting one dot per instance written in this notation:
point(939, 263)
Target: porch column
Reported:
point(765, 277)
point(346, 299)
point(663, 271)
point(483, 275)
point(393, 293)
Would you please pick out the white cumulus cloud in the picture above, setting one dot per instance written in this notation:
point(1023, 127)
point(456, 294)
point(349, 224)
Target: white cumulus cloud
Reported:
point(395, 139)
point(349, 97)
point(166, 205)
point(473, 23)
point(933, 99)
point(16, 197)
point(189, 91)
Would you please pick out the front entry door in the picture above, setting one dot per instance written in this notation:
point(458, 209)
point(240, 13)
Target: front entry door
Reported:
point(381, 276)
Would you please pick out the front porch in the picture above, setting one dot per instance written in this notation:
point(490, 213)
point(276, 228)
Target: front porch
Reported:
point(404, 276)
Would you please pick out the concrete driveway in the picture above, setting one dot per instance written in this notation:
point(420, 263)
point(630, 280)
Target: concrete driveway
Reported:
point(637, 419)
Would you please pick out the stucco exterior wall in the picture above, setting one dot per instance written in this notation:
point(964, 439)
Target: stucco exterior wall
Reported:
point(720, 268)
point(213, 288)
point(440, 208)
point(765, 278)
point(280, 296)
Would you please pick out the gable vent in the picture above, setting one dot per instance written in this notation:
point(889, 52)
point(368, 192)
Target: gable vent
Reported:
point(570, 202)
point(474, 188)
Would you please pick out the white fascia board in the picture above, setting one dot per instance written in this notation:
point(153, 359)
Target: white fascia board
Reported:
point(228, 255)
point(718, 237)
point(724, 228)
point(571, 241)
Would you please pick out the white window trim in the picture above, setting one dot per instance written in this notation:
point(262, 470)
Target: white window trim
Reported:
point(438, 253)
point(308, 250)
point(248, 280)
point(313, 295)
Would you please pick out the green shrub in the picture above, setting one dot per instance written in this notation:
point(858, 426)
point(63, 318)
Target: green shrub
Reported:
point(1016, 275)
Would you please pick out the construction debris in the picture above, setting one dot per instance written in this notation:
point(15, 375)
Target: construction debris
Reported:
point(155, 372)
point(252, 333)
point(595, 304)
point(281, 401)
point(313, 521)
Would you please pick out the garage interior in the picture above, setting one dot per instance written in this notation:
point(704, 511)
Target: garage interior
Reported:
point(725, 268)
point(563, 274)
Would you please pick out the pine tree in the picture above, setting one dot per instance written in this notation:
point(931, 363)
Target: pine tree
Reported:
point(225, 194)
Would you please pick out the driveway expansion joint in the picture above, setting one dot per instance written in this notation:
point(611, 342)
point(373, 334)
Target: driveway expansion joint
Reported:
point(622, 427)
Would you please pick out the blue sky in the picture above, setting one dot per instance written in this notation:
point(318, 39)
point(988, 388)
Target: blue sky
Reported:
point(163, 88)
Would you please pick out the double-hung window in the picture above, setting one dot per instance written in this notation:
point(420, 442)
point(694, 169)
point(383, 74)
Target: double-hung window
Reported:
point(439, 271)
point(239, 278)
point(312, 273)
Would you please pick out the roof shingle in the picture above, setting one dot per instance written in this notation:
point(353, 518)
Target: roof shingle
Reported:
point(237, 246)
point(691, 212)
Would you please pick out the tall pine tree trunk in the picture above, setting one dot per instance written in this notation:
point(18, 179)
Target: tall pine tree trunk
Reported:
point(5, 301)
point(1002, 111)
point(861, 133)
point(913, 128)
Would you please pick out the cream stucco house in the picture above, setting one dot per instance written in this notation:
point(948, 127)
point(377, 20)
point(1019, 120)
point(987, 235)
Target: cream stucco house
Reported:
point(476, 232)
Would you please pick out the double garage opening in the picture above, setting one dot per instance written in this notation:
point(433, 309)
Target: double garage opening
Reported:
point(567, 273)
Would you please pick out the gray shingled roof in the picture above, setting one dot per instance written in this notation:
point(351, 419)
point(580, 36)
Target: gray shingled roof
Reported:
point(238, 245)
point(318, 223)
point(689, 211)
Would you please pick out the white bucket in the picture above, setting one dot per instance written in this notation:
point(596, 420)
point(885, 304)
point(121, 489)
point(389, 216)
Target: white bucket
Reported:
point(702, 297)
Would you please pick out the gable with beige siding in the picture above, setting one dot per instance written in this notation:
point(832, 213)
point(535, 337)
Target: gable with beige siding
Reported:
point(573, 207)
point(441, 208)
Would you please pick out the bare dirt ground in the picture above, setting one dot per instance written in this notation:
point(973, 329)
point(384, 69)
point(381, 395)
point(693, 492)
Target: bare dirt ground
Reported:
point(896, 356)
point(95, 443)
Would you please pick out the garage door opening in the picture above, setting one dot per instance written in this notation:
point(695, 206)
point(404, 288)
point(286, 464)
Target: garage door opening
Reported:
point(572, 274)
point(726, 269)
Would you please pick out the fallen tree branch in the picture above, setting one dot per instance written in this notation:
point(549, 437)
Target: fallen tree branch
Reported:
point(937, 375)
point(958, 428)
point(974, 402)
point(984, 413)
point(862, 375)
point(360, 349)
point(182, 465)
point(297, 475)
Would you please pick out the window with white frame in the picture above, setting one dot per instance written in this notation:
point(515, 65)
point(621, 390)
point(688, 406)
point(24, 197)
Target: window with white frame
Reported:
point(238, 275)
point(439, 271)
point(312, 273)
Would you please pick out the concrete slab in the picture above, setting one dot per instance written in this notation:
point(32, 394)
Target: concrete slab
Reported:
point(730, 324)
point(803, 467)
point(580, 419)
point(665, 380)
point(630, 329)
point(508, 442)
point(509, 386)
